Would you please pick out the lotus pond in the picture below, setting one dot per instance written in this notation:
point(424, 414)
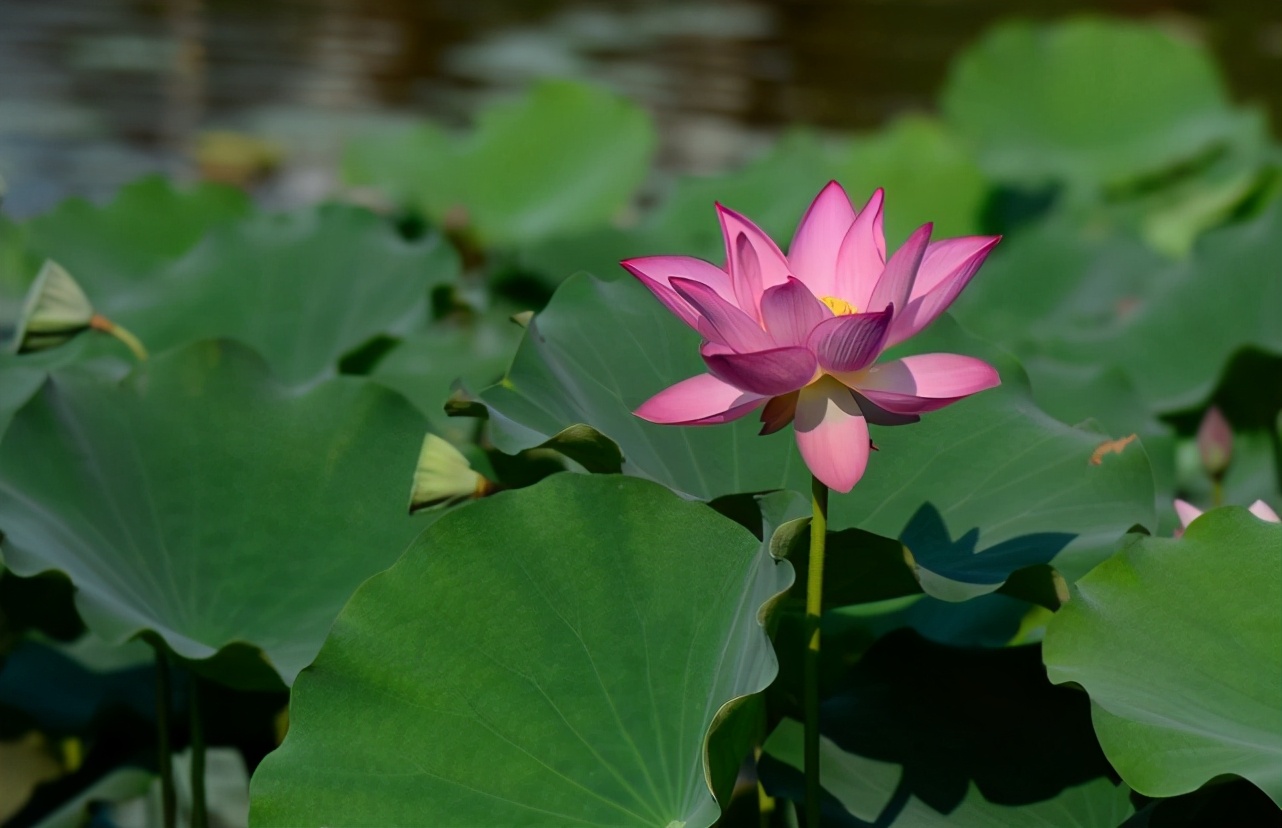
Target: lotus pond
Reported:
point(377, 511)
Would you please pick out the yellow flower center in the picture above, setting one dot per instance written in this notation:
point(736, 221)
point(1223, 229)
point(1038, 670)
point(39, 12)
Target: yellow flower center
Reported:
point(840, 307)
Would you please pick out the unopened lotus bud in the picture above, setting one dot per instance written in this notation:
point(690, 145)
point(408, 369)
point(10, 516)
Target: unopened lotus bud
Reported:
point(56, 310)
point(1215, 443)
point(443, 476)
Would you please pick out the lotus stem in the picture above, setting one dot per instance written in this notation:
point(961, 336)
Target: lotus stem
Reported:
point(765, 802)
point(814, 616)
point(1217, 493)
point(133, 343)
point(164, 749)
point(199, 812)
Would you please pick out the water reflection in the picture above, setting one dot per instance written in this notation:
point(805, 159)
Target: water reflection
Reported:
point(96, 92)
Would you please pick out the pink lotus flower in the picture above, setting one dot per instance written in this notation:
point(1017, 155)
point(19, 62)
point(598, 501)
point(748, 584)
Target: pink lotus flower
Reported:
point(1189, 513)
point(799, 334)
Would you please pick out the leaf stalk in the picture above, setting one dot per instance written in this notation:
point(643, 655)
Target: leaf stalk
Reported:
point(814, 616)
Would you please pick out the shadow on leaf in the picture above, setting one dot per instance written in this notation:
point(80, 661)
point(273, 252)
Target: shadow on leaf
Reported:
point(950, 715)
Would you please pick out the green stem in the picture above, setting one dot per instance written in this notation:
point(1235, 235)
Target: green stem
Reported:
point(199, 813)
point(765, 802)
point(814, 615)
point(164, 749)
point(1217, 493)
point(133, 343)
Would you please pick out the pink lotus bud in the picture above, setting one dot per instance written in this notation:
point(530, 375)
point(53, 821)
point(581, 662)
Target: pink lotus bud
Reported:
point(1215, 442)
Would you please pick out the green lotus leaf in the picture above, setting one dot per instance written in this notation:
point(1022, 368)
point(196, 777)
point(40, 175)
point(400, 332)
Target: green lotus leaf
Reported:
point(399, 162)
point(926, 175)
point(118, 247)
point(1089, 103)
point(18, 267)
point(869, 568)
point(915, 727)
point(302, 288)
point(119, 785)
point(1191, 319)
point(426, 364)
point(774, 190)
point(1177, 642)
point(859, 791)
point(1101, 299)
point(203, 501)
point(22, 375)
point(549, 656)
point(112, 249)
point(994, 462)
point(18, 382)
point(564, 158)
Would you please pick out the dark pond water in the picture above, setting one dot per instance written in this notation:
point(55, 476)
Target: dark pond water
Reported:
point(96, 92)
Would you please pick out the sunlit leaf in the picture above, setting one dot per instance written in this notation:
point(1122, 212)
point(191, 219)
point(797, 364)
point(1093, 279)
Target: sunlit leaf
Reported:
point(993, 462)
point(926, 175)
point(1102, 299)
point(425, 365)
point(1178, 643)
point(204, 501)
point(302, 288)
point(549, 656)
point(115, 248)
point(1088, 102)
point(565, 157)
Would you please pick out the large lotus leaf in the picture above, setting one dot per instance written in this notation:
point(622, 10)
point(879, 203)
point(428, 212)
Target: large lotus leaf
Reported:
point(398, 161)
point(860, 791)
point(18, 268)
point(1089, 281)
point(599, 350)
point(1178, 643)
point(954, 715)
point(1103, 300)
point(773, 190)
point(916, 726)
point(425, 365)
point(550, 656)
point(204, 501)
point(926, 176)
point(303, 288)
point(1189, 321)
point(111, 249)
point(22, 375)
point(565, 157)
point(1088, 102)
point(1095, 804)
point(1172, 217)
point(855, 784)
point(993, 462)
point(868, 568)
point(119, 785)
point(115, 248)
point(18, 382)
